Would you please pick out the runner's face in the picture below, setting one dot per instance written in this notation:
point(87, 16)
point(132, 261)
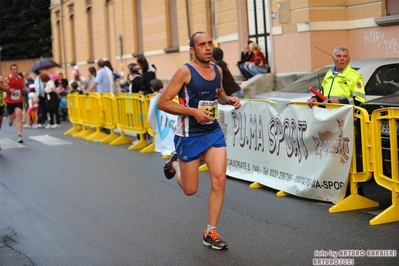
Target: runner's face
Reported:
point(341, 60)
point(203, 47)
point(14, 71)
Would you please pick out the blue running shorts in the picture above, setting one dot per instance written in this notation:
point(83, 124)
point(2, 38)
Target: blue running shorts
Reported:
point(190, 148)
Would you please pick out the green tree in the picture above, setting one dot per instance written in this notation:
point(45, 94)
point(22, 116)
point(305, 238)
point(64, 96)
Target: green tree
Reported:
point(25, 29)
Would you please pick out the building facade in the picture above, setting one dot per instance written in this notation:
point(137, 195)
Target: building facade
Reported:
point(296, 35)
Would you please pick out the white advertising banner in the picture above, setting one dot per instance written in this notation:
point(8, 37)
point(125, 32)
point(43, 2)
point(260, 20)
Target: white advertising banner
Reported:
point(302, 151)
point(164, 125)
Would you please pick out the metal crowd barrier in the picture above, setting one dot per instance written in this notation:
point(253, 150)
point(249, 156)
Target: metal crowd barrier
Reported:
point(385, 159)
point(361, 166)
point(95, 113)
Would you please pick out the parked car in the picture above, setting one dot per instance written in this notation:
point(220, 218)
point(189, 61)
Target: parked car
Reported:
point(380, 76)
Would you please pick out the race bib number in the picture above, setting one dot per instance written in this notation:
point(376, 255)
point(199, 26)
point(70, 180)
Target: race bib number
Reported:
point(16, 95)
point(210, 106)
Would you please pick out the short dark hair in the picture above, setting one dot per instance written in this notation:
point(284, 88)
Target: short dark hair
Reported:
point(100, 63)
point(156, 84)
point(192, 38)
point(74, 85)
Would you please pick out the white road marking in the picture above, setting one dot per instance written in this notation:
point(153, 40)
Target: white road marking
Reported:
point(10, 144)
point(50, 141)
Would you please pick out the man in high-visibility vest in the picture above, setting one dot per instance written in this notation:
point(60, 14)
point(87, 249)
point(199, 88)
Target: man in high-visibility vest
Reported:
point(341, 83)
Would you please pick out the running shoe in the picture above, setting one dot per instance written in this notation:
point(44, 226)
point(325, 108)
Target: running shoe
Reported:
point(10, 123)
point(48, 126)
point(213, 239)
point(20, 139)
point(55, 126)
point(168, 169)
point(27, 126)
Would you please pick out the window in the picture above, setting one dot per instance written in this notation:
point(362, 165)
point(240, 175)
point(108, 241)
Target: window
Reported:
point(137, 29)
point(72, 29)
point(89, 28)
point(171, 27)
point(58, 36)
point(384, 81)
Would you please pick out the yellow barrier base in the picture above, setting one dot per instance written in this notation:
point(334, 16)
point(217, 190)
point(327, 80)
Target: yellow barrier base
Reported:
point(165, 157)
point(390, 215)
point(282, 194)
point(203, 168)
point(83, 133)
point(138, 145)
point(121, 140)
point(256, 185)
point(75, 129)
point(148, 149)
point(109, 138)
point(353, 202)
point(97, 135)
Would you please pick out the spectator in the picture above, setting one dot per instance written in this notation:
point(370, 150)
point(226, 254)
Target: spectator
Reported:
point(28, 81)
point(229, 84)
point(332, 86)
point(258, 63)
point(39, 87)
point(78, 79)
point(134, 78)
point(33, 109)
point(62, 106)
point(115, 86)
point(246, 55)
point(61, 84)
point(74, 88)
point(92, 76)
point(156, 86)
point(104, 80)
point(52, 101)
point(147, 74)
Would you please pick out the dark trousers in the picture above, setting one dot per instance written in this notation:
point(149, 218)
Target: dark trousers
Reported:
point(42, 110)
point(53, 113)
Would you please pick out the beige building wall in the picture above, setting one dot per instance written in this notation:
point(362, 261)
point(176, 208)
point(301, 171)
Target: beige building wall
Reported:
point(300, 30)
point(114, 18)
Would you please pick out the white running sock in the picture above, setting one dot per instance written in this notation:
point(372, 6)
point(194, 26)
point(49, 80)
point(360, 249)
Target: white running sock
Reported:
point(210, 227)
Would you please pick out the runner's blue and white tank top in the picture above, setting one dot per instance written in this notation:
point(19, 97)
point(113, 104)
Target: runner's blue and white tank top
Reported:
point(199, 93)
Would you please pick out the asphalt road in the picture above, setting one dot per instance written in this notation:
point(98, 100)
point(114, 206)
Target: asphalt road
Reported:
point(66, 201)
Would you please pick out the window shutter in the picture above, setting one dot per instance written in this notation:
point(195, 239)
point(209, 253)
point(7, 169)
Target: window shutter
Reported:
point(392, 7)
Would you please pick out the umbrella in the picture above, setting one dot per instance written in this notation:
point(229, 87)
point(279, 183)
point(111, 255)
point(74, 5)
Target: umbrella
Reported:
point(43, 64)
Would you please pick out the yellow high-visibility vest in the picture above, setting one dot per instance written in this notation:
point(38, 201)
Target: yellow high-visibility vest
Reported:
point(346, 84)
